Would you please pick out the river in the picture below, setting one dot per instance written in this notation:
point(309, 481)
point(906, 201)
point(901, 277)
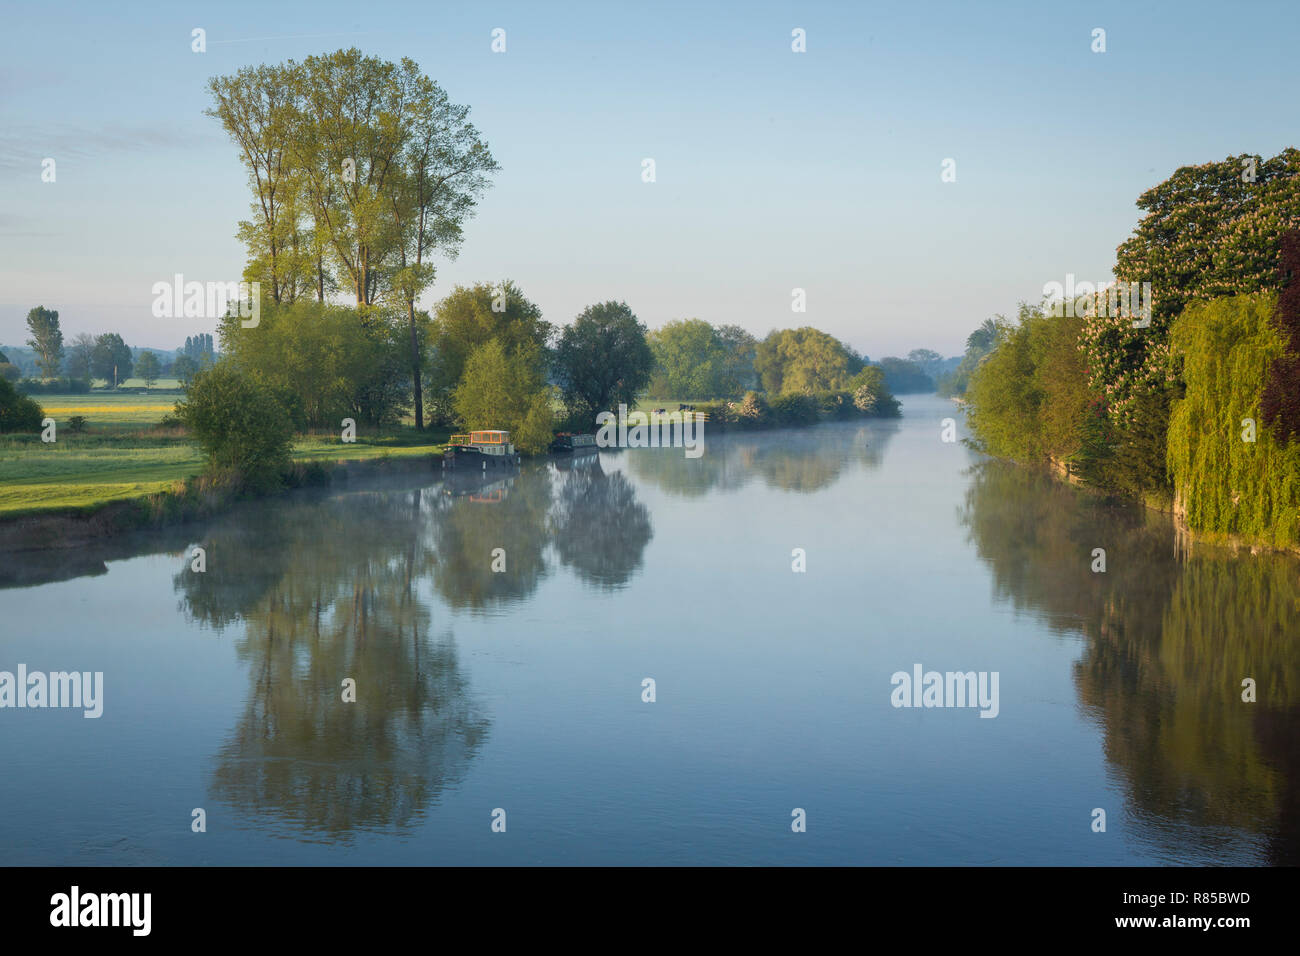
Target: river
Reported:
point(498, 637)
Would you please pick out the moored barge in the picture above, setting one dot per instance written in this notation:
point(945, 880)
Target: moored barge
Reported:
point(490, 448)
point(567, 443)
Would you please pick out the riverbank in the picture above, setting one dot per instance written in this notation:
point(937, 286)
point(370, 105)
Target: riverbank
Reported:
point(115, 448)
point(189, 499)
point(1175, 509)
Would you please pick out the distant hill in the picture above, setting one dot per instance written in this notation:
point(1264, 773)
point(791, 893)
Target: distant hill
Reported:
point(21, 356)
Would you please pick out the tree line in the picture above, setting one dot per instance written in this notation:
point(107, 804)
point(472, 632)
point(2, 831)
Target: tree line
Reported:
point(71, 367)
point(1195, 409)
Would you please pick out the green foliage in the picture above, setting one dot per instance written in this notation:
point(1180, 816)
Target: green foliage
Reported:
point(238, 422)
point(46, 340)
point(1029, 398)
point(693, 359)
point(736, 372)
point(794, 409)
point(1209, 231)
point(55, 386)
point(603, 359)
point(18, 413)
point(324, 362)
point(1003, 398)
point(466, 320)
point(869, 394)
point(753, 410)
point(148, 368)
point(804, 360)
point(903, 376)
point(978, 344)
point(835, 406)
point(1227, 485)
point(80, 357)
point(1137, 450)
point(77, 424)
point(111, 359)
point(361, 169)
point(534, 434)
point(500, 389)
point(185, 368)
point(687, 355)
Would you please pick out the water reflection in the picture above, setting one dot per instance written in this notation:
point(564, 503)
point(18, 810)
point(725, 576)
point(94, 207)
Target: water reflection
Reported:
point(328, 588)
point(1169, 641)
point(328, 592)
point(599, 529)
point(798, 460)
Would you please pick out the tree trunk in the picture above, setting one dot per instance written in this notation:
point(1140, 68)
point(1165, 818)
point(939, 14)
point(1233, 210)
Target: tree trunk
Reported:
point(415, 370)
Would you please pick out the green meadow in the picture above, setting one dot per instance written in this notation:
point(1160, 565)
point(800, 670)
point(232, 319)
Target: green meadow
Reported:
point(122, 452)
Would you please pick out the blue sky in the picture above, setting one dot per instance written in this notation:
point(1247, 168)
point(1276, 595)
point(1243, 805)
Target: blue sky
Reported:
point(775, 170)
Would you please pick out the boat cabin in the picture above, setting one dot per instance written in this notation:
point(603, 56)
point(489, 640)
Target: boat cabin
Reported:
point(490, 442)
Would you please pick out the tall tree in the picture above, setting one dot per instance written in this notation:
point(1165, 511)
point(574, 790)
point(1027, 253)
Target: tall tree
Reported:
point(80, 357)
point(111, 359)
point(256, 106)
point(603, 358)
point(736, 376)
point(689, 357)
point(147, 368)
point(46, 340)
point(445, 167)
point(362, 169)
point(467, 318)
point(804, 360)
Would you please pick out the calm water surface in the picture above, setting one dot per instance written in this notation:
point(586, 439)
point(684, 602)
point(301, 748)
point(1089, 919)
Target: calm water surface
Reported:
point(522, 689)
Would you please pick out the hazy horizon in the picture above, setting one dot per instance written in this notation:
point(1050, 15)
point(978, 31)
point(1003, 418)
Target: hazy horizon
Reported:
point(775, 170)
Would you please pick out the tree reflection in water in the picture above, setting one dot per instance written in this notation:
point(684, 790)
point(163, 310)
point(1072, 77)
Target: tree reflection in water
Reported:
point(329, 589)
point(1169, 639)
point(798, 460)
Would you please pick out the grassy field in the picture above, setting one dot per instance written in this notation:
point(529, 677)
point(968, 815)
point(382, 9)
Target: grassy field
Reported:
point(109, 410)
point(122, 453)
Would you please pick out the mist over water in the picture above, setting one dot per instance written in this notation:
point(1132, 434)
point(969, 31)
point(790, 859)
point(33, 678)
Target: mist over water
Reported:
point(522, 689)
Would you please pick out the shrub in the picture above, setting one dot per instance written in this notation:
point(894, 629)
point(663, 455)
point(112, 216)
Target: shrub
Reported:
point(307, 474)
point(794, 409)
point(753, 410)
point(720, 413)
point(239, 423)
point(77, 423)
point(835, 405)
point(54, 386)
point(870, 394)
point(864, 399)
point(17, 412)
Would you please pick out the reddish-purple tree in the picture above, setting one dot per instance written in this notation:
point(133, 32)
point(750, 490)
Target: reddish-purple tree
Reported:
point(1280, 401)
